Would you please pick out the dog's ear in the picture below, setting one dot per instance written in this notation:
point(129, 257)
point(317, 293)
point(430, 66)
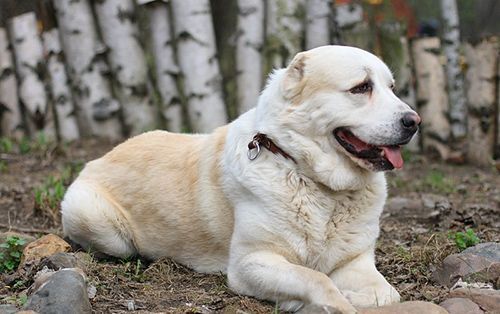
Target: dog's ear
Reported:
point(293, 81)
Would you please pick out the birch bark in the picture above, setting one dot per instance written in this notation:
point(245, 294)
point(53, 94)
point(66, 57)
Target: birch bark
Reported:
point(285, 30)
point(119, 30)
point(455, 80)
point(60, 89)
point(10, 123)
point(481, 96)
point(318, 13)
point(249, 52)
point(194, 34)
point(167, 69)
point(30, 68)
point(431, 96)
point(87, 69)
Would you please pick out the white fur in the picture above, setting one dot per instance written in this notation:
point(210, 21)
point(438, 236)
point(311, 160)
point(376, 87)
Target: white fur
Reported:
point(291, 232)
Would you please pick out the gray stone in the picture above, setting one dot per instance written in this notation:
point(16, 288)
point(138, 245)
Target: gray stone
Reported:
point(410, 307)
point(60, 261)
point(487, 299)
point(7, 309)
point(461, 306)
point(490, 250)
point(476, 264)
point(64, 292)
point(318, 309)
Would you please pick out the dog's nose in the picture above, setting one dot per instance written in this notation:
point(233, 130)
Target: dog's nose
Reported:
point(411, 121)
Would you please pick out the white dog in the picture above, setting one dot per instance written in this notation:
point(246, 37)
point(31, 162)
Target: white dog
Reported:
point(286, 199)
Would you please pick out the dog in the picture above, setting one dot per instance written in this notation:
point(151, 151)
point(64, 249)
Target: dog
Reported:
point(286, 199)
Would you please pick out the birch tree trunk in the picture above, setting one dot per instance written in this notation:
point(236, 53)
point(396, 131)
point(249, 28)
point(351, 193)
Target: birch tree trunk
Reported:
point(128, 63)
point(248, 52)
point(30, 68)
point(195, 39)
point(451, 45)
point(167, 69)
point(354, 31)
point(10, 115)
point(481, 95)
point(285, 30)
point(60, 89)
point(87, 69)
point(431, 96)
point(318, 13)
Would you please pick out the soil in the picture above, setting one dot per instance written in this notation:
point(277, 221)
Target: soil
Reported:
point(428, 201)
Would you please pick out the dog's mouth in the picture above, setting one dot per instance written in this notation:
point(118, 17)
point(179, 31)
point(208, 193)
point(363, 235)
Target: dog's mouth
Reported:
point(383, 157)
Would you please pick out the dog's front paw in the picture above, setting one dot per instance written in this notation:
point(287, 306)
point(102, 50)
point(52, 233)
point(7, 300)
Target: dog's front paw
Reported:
point(372, 296)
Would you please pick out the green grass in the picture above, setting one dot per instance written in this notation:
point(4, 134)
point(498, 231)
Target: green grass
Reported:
point(437, 182)
point(10, 253)
point(465, 239)
point(6, 145)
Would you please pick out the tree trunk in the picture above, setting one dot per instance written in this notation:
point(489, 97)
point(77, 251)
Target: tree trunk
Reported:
point(10, 115)
point(318, 13)
point(30, 68)
point(195, 39)
point(87, 69)
point(354, 31)
point(167, 69)
point(61, 91)
point(285, 30)
point(481, 96)
point(128, 63)
point(248, 52)
point(455, 80)
point(431, 96)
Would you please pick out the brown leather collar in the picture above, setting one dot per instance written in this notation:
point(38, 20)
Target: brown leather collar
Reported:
point(261, 140)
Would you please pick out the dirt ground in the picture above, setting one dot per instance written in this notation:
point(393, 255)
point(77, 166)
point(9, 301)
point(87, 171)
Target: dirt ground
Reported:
point(428, 201)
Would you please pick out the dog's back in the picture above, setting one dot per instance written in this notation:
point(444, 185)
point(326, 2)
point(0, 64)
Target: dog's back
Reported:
point(151, 183)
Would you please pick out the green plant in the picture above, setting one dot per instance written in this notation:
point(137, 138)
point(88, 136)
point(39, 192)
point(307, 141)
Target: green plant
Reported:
point(465, 239)
point(3, 166)
point(24, 146)
point(436, 181)
point(6, 145)
point(10, 255)
point(19, 300)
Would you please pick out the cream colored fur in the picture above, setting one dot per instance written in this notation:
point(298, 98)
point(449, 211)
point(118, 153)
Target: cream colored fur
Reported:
point(290, 232)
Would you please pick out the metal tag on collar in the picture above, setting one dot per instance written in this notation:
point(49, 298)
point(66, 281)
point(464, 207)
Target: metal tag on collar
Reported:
point(254, 152)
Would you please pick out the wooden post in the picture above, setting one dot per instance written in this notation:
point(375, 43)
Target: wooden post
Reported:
point(196, 50)
point(166, 67)
point(87, 69)
point(10, 115)
point(31, 71)
point(481, 96)
point(432, 99)
point(119, 30)
point(249, 52)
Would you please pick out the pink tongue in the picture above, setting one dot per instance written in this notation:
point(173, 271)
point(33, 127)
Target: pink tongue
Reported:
point(393, 154)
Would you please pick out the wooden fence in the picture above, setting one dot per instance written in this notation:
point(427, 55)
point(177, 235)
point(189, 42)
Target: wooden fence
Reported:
point(71, 69)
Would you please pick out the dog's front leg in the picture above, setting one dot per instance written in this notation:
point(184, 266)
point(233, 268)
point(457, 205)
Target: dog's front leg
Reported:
point(268, 275)
point(362, 284)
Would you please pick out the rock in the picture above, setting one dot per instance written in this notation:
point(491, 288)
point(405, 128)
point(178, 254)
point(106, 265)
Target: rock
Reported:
point(397, 204)
point(318, 309)
point(490, 250)
point(480, 263)
point(7, 309)
point(487, 299)
point(410, 307)
point(27, 312)
point(64, 292)
point(45, 246)
point(61, 260)
point(461, 306)
point(434, 201)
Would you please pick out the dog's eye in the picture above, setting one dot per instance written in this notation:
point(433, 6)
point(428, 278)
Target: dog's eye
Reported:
point(365, 87)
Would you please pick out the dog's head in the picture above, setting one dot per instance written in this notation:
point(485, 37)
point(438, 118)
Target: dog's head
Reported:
point(342, 98)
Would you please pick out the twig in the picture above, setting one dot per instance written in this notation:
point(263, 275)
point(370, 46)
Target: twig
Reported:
point(25, 230)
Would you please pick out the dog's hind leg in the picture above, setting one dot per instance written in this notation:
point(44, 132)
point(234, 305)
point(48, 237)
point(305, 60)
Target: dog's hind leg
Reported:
point(91, 218)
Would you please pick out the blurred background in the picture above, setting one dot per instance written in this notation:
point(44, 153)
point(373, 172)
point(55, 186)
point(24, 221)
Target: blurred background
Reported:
point(116, 68)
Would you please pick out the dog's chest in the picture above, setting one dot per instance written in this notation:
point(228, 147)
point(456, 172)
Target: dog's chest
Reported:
point(328, 228)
